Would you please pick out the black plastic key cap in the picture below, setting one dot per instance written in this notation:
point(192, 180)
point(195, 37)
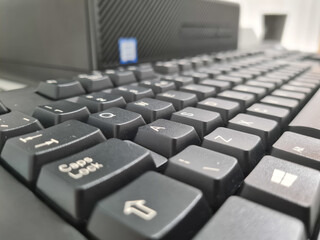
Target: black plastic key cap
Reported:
point(217, 175)
point(279, 114)
point(179, 81)
point(212, 73)
point(278, 82)
point(257, 91)
point(3, 109)
point(120, 78)
point(202, 92)
point(166, 67)
point(197, 76)
point(302, 84)
point(60, 89)
point(94, 82)
point(233, 80)
point(151, 109)
point(244, 99)
point(86, 177)
point(268, 130)
point(117, 123)
point(203, 121)
point(97, 102)
point(179, 100)
point(268, 86)
point(287, 187)
point(15, 124)
point(301, 97)
point(219, 85)
point(299, 149)
point(61, 111)
point(227, 109)
point(239, 218)
point(158, 86)
point(28, 153)
point(291, 104)
point(166, 137)
point(148, 209)
point(307, 121)
point(142, 72)
point(298, 89)
point(132, 93)
point(247, 148)
point(160, 161)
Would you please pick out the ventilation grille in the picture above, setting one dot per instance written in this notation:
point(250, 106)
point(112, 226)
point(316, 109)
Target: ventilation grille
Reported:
point(165, 28)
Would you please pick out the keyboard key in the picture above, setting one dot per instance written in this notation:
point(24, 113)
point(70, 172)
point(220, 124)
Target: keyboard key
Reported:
point(160, 161)
point(179, 81)
point(28, 153)
point(158, 86)
point(151, 109)
point(24, 216)
point(84, 178)
point(184, 65)
point(291, 104)
point(197, 76)
point(142, 72)
point(268, 130)
point(244, 76)
point(202, 92)
point(227, 109)
point(166, 137)
point(268, 86)
point(132, 93)
point(60, 89)
point(117, 123)
point(219, 85)
point(307, 121)
point(212, 73)
point(286, 187)
point(278, 82)
point(3, 109)
point(15, 124)
point(239, 218)
point(94, 82)
point(203, 121)
point(279, 114)
point(247, 148)
point(61, 111)
point(299, 149)
point(233, 80)
point(299, 89)
point(179, 100)
point(97, 102)
point(244, 99)
point(258, 92)
point(217, 175)
point(197, 62)
point(302, 84)
point(140, 211)
point(120, 78)
point(301, 97)
point(166, 68)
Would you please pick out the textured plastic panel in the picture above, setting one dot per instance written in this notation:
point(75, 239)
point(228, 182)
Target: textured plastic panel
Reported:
point(165, 28)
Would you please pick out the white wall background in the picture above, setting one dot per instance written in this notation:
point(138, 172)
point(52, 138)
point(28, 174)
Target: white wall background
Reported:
point(302, 27)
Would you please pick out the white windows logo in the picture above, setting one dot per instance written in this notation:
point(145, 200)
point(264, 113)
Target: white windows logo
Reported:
point(283, 178)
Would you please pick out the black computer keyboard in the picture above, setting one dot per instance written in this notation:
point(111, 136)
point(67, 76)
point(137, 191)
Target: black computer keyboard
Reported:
point(217, 146)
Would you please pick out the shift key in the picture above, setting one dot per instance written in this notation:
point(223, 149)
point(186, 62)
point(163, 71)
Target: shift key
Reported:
point(299, 149)
point(28, 153)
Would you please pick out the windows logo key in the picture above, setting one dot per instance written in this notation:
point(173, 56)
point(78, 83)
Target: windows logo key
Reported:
point(128, 50)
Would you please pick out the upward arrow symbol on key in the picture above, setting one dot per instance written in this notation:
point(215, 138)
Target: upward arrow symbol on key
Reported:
point(138, 208)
